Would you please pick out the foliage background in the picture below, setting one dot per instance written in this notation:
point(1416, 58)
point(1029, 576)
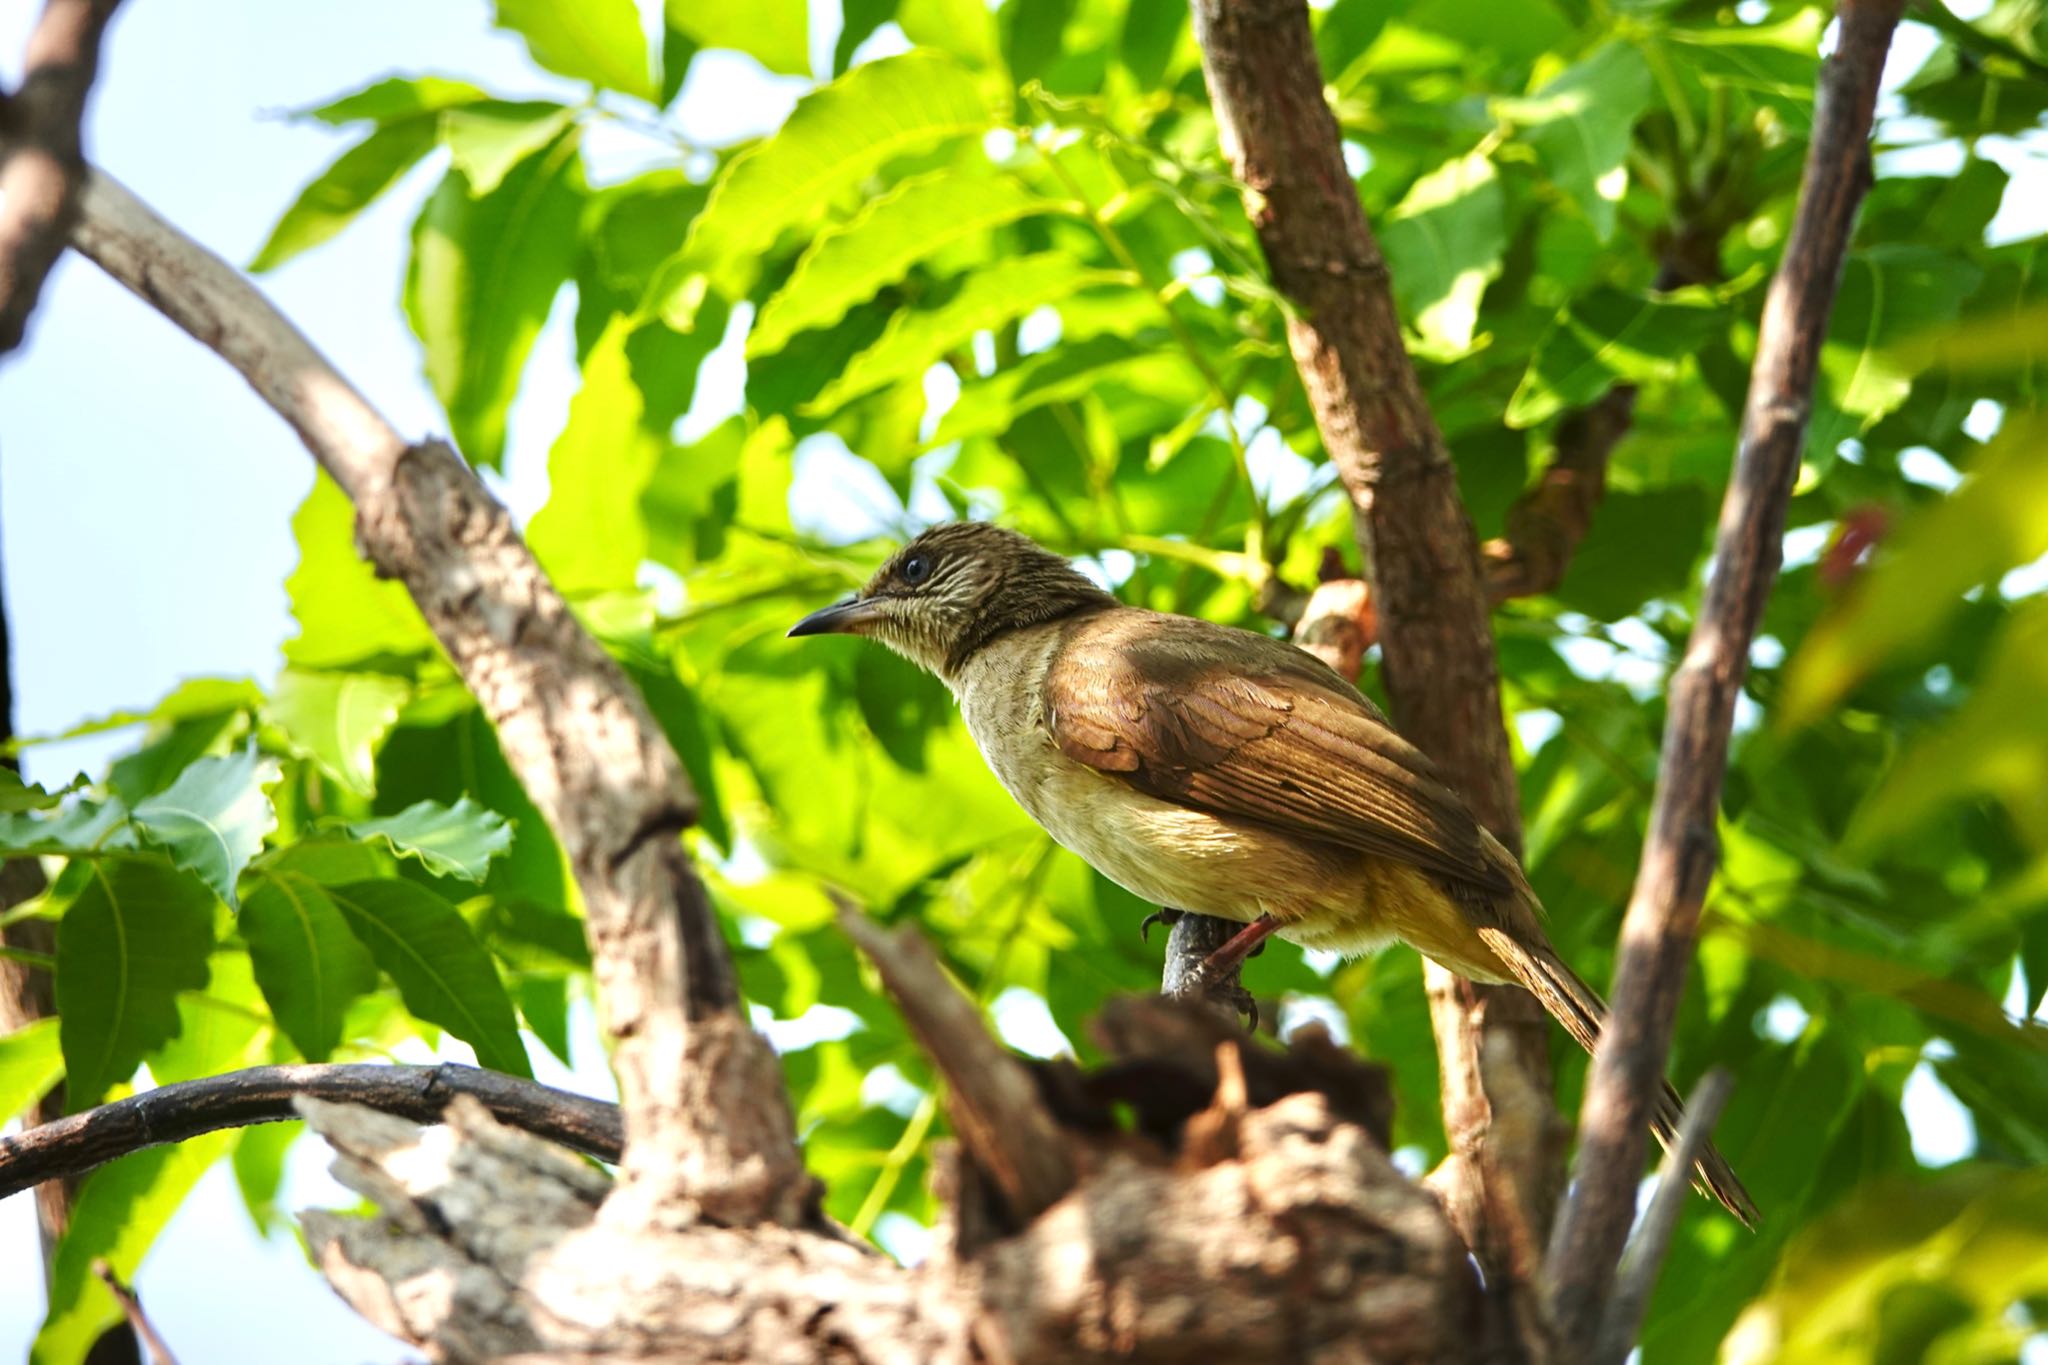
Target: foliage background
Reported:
point(1006, 271)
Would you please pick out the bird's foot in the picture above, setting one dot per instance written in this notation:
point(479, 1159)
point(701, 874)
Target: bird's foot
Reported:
point(1165, 915)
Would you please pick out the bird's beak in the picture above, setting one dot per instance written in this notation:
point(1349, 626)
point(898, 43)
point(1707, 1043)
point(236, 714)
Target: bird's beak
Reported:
point(841, 618)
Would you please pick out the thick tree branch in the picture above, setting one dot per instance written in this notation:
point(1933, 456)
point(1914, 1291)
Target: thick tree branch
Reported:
point(42, 158)
point(1420, 555)
point(707, 1117)
point(1680, 851)
point(72, 1145)
point(993, 1104)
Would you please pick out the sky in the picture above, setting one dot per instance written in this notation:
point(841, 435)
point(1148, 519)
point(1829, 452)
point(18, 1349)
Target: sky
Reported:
point(145, 495)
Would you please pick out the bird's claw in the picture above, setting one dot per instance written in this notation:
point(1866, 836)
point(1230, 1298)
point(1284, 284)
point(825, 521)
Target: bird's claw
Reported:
point(1166, 916)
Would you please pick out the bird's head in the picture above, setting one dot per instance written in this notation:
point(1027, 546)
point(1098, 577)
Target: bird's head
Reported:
point(954, 589)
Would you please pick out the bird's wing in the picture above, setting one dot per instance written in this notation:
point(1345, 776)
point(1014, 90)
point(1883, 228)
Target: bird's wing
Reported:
point(1244, 726)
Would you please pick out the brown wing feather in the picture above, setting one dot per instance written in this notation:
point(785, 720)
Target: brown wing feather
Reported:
point(1272, 735)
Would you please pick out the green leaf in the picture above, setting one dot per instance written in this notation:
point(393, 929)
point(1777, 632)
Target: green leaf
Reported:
point(1643, 545)
point(309, 964)
point(1443, 242)
point(346, 614)
point(1778, 60)
point(965, 28)
point(31, 1061)
point(121, 1209)
point(442, 972)
point(213, 819)
point(17, 796)
point(84, 828)
point(1888, 295)
point(1580, 122)
point(776, 33)
point(350, 184)
point(589, 535)
point(258, 1159)
point(1607, 336)
point(487, 139)
point(338, 720)
point(834, 137)
point(394, 99)
point(851, 262)
point(133, 934)
point(452, 841)
point(1997, 519)
point(599, 41)
point(1142, 360)
point(915, 341)
point(485, 270)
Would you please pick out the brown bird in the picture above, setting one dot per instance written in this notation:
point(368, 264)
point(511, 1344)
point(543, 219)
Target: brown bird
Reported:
point(1218, 771)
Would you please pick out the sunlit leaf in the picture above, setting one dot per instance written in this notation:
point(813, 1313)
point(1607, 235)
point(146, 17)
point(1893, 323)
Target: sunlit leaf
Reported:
point(914, 340)
point(849, 263)
point(31, 1061)
point(213, 819)
point(485, 270)
point(835, 136)
point(599, 41)
point(394, 99)
point(338, 719)
point(588, 535)
point(1579, 123)
point(355, 179)
point(452, 841)
point(134, 933)
point(1443, 242)
point(776, 33)
point(1609, 335)
point(308, 962)
point(442, 972)
point(487, 139)
point(345, 612)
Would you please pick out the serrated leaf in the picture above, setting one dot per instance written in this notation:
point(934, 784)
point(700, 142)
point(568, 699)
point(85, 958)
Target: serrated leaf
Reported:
point(121, 1209)
point(82, 829)
point(488, 138)
point(589, 534)
point(851, 262)
point(452, 841)
point(134, 933)
point(213, 819)
point(17, 796)
point(338, 720)
point(395, 98)
point(345, 612)
point(776, 33)
point(833, 138)
point(308, 962)
point(914, 341)
point(31, 1061)
point(484, 272)
point(599, 41)
point(442, 972)
point(1580, 123)
point(351, 183)
point(1443, 242)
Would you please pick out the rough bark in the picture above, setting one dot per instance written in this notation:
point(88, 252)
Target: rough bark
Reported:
point(1261, 1223)
point(707, 1119)
point(1421, 557)
point(1681, 849)
point(42, 155)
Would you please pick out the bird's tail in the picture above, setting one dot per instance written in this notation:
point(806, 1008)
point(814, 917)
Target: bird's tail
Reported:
point(1579, 1008)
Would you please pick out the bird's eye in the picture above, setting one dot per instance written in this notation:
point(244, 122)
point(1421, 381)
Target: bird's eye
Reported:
point(915, 570)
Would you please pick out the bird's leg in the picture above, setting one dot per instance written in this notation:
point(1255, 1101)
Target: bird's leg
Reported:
point(1249, 941)
point(1203, 957)
point(1165, 915)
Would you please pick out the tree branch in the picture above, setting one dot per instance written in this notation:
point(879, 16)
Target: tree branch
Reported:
point(1680, 851)
point(707, 1117)
point(131, 1309)
point(72, 1145)
point(42, 157)
point(994, 1106)
point(1421, 559)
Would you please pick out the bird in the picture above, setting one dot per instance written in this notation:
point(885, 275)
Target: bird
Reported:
point(1220, 771)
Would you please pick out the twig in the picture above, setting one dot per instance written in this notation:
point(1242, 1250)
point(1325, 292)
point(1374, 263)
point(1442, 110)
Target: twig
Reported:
point(76, 1143)
point(1546, 524)
point(1680, 851)
point(43, 162)
point(1421, 558)
point(138, 1321)
point(991, 1098)
point(707, 1114)
point(1644, 1258)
